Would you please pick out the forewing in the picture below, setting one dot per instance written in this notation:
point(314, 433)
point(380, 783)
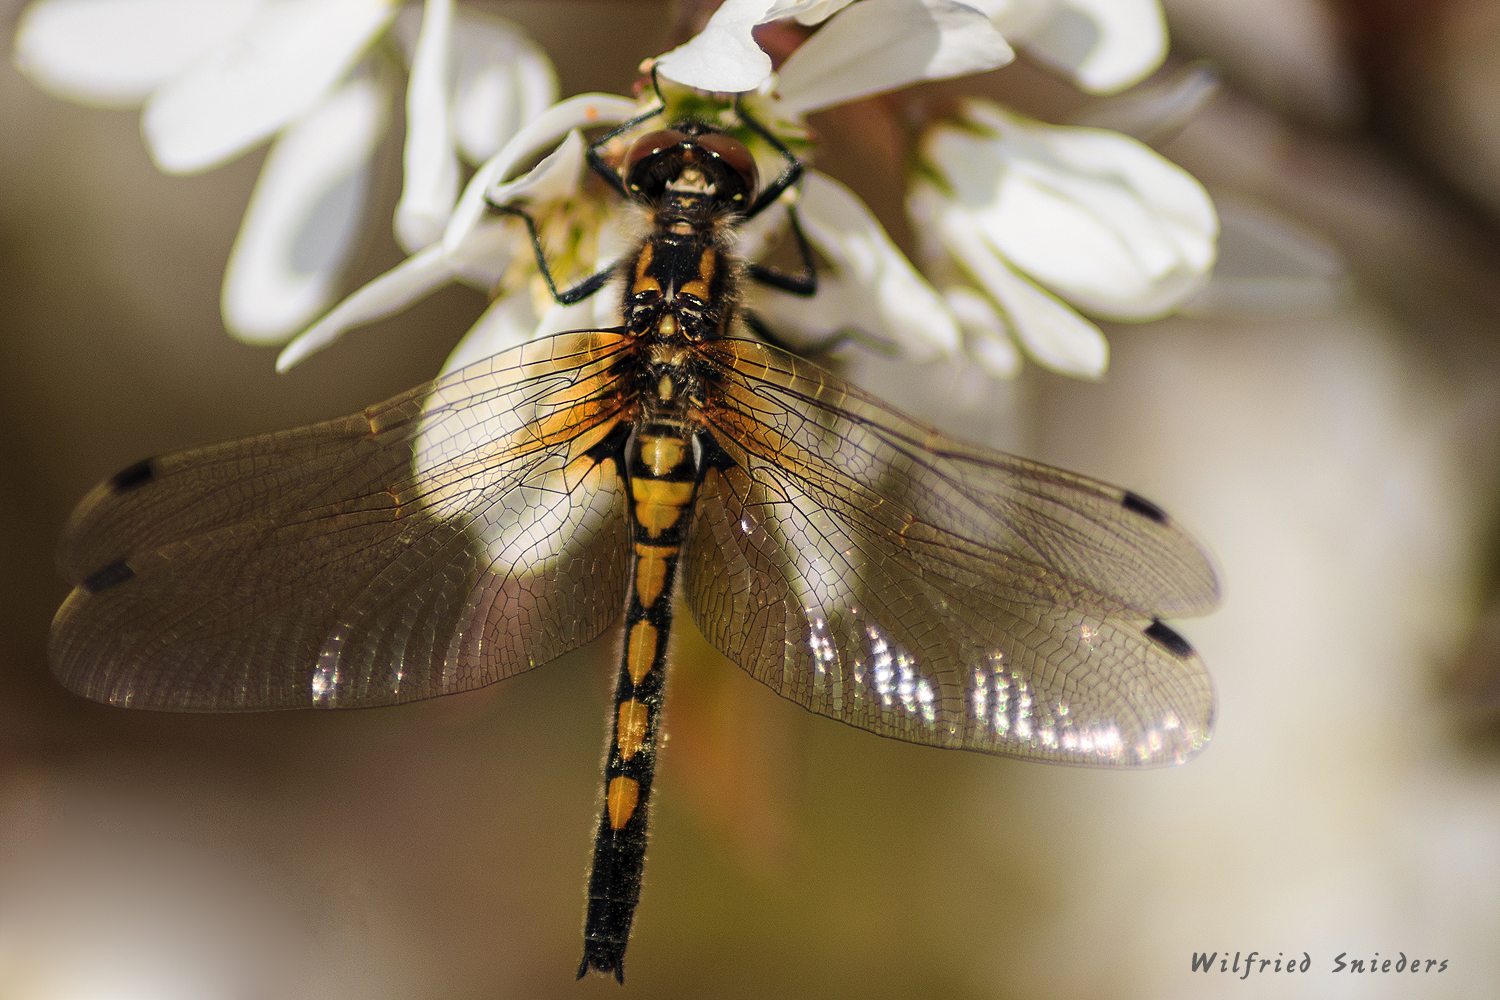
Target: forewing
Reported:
point(443, 540)
point(888, 576)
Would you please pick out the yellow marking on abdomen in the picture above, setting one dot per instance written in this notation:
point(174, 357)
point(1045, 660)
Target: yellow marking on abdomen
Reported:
point(620, 800)
point(698, 288)
point(631, 727)
point(651, 571)
point(659, 503)
point(643, 281)
point(640, 651)
point(662, 454)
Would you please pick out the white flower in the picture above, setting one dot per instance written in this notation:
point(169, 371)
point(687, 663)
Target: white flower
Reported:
point(874, 46)
point(870, 291)
point(872, 287)
point(1093, 217)
point(481, 249)
point(1101, 45)
point(218, 78)
point(1019, 219)
point(1155, 112)
point(870, 47)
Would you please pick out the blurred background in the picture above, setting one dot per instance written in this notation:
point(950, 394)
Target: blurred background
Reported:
point(1331, 434)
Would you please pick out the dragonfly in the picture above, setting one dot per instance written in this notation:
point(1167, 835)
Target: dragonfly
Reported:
point(850, 558)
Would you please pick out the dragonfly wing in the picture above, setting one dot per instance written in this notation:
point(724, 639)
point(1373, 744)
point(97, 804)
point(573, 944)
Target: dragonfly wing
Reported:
point(448, 538)
point(880, 573)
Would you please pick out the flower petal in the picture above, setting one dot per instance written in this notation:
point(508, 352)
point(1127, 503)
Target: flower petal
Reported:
point(879, 45)
point(255, 83)
point(996, 355)
point(508, 322)
point(430, 185)
point(116, 53)
point(557, 175)
point(547, 128)
point(613, 243)
point(501, 79)
point(724, 56)
point(417, 276)
point(504, 81)
point(477, 247)
point(840, 307)
point(1155, 112)
point(985, 336)
point(304, 216)
point(952, 394)
point(1098, 217)
point(485, 254)
point(559, 318)
point(898, 302)
point(810, 11)
point(485, 250)
point(754, 238)
point(1103, 45)
point(1053, 334)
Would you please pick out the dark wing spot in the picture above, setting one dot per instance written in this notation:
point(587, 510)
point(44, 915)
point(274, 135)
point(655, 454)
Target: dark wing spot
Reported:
point(112, 575)
point(1144, 507)
point(1169, 639)
point(612, 448)
point(132, 476)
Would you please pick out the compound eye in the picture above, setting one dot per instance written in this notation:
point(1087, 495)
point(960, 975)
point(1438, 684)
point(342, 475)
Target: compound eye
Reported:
point(649, 145)
point(733, 154)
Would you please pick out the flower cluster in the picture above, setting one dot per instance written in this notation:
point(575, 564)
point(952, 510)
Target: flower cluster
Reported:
point(1023, 226)
point(218, 79)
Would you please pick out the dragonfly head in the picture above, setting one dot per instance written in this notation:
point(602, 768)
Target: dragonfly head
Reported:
point(691, 160)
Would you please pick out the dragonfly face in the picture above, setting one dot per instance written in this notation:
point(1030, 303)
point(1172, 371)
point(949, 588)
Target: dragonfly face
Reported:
point(856, 562)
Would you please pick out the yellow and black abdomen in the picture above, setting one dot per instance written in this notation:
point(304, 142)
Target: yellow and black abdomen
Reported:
point(662, 480)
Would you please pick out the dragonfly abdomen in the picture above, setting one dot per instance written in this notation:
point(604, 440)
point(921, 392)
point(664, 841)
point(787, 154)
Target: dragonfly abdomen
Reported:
point(662, 479)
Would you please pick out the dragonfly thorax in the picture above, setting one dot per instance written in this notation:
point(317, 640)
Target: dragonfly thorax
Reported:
point(681, 288)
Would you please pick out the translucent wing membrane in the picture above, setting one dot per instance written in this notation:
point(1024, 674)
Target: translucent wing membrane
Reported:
point(446, 539)
point(856, 562)
point(882, 574)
